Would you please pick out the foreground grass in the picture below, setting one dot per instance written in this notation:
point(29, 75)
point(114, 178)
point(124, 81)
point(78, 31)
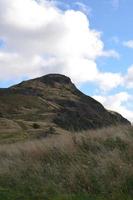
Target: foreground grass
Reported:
point(94, 165)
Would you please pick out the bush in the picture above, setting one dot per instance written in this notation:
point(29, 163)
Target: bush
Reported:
point(51, 130)
point(36, 126)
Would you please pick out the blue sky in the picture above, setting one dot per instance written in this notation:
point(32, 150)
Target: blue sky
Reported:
point(114, 19)
point(39, 37)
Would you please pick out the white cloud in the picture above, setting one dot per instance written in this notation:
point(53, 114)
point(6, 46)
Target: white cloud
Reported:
point(108, 81)
point(117, 103)
point(40, 38)
point(14, 62)
point(111, 53)
point(128, 79)
point(128, 44)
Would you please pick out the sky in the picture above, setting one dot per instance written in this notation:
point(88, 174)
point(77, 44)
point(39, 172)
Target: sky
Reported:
point(91, 41)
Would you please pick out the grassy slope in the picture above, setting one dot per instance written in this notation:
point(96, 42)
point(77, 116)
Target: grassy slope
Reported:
point(96, 165)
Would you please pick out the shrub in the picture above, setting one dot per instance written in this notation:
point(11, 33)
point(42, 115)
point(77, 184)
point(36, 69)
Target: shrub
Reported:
point(36, 126)
point(51, 130)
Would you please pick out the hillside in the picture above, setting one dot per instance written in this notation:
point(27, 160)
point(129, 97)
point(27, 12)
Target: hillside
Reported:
point(92, 165)
point(87, 154)
point(51, 101)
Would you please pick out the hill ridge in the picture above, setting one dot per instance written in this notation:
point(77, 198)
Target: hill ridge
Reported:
point(55, 101)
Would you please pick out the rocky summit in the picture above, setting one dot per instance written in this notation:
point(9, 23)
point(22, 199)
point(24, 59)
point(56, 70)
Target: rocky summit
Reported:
point(52, 100)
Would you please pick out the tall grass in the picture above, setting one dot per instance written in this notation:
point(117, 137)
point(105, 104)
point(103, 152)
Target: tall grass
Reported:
point(95, 165)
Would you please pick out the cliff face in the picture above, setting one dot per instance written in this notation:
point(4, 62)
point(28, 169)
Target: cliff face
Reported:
point(54, 99)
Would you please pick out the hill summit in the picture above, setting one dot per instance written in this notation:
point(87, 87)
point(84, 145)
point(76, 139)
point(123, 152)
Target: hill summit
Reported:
point(53, 100)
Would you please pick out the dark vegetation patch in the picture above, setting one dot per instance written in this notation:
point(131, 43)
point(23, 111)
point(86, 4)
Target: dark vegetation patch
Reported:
point(36, 126)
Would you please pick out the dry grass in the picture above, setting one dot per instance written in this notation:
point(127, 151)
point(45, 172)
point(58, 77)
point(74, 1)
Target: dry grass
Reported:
point(96, 163)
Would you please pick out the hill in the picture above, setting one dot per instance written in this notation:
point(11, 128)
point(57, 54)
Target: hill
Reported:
point(83, 158)
point(51, 101)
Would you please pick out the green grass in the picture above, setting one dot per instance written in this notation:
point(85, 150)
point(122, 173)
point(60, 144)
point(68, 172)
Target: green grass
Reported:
point(13, 137)
point(94, 165)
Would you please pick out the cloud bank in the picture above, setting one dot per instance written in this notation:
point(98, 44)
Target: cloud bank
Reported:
point(40, 38)
point(128, 44)
point(117, 103)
